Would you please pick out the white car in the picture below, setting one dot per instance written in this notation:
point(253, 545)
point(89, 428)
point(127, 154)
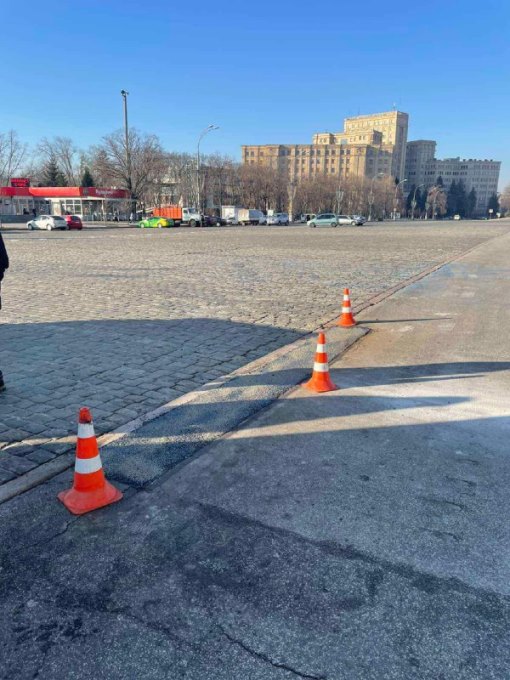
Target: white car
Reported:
point(278, 218)
point(360, 220)
point(47, 222)
point(346, 219)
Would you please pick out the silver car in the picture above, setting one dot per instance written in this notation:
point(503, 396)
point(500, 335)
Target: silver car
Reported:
point(278, 218)
point(47, 222)
point(346, 219)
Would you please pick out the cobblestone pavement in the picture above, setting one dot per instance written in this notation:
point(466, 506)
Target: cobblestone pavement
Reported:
point(124, 321)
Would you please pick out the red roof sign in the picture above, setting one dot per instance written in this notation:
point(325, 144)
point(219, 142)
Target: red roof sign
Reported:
point(64, 192)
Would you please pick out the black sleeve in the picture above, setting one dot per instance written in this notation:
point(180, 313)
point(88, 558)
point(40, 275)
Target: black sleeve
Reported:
point(4, 258)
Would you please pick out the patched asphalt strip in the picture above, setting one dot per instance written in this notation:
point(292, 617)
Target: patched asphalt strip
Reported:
point(141, 457)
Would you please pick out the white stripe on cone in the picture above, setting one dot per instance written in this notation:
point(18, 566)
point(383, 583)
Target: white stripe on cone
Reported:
point(85, 430)
point(347, 298)
point(346, 310)
point(85, 466)
point(320, 368)
point(321, 349)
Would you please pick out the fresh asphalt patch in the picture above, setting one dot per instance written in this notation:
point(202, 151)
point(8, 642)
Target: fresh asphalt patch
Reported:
point(143, 456)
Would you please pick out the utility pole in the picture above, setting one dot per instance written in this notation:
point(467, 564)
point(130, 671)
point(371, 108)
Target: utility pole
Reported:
point(124, 95)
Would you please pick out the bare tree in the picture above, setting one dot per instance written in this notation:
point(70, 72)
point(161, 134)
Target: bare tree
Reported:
point(505, 198)
point(220, 176)
point(148, 167)
point(13, 154)
point(437, 201)
point(179, 182)
point(262, 187)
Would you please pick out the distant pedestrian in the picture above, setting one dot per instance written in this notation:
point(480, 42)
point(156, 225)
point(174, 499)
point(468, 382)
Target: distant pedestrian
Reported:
point(34, 212)
point(4, 264)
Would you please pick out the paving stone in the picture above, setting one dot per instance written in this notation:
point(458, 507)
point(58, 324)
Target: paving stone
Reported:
point(6, 476)
point(57, 447)
point(19, 449)
point(41, 455)
point(15, 464)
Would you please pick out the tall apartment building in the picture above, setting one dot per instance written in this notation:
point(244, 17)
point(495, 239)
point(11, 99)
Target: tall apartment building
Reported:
point(423, 168)
point(393, 126)
point(367, 146)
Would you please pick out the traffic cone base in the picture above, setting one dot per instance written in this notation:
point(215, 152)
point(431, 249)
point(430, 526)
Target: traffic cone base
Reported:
point(347, 319)
point(346, 323)
point(80, 502)
point(320, 380)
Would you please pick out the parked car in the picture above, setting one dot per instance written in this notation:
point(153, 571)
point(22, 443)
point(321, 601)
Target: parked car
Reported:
point(346, 219)
point(359, 219)
point(213, 221)
point(47, 222)
point(73, 222)
point(155, 222)
point(278, 218)
point(306, 217)
point(324, 220)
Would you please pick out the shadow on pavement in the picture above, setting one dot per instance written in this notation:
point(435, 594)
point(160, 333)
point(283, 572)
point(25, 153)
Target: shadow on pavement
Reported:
point(362, 322)
point(383, 375)
point(160, 445)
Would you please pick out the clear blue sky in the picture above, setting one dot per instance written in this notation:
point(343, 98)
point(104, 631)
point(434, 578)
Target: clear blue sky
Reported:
point(264, 71)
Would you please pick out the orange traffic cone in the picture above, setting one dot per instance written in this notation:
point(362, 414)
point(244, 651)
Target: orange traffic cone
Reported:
point(90, 489)
point(321, 380)
point(346, 320)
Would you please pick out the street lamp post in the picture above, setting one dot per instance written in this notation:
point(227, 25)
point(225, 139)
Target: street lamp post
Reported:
point(124, 95)
point(395, 199)
point(204, 132)
point(413, 202)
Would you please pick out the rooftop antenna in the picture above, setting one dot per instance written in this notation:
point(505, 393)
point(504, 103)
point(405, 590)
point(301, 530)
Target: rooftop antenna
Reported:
point(394, 106)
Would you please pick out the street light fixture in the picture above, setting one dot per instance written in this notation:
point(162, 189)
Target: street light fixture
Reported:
point(204, 132)
point(413, 202)
point(395, 199)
